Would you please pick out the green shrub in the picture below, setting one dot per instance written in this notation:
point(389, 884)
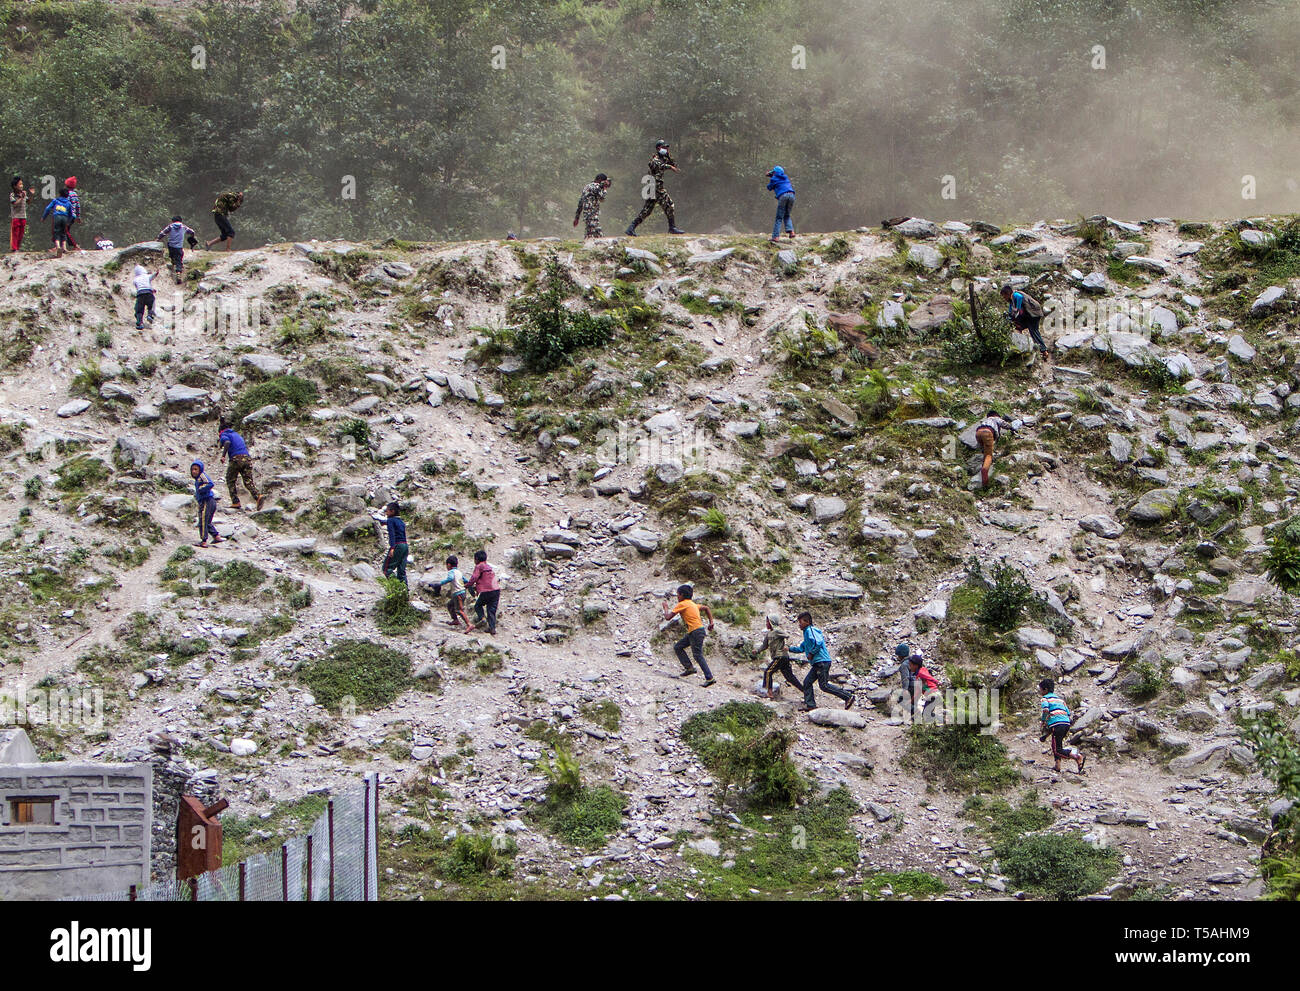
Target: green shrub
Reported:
point(992, 346)
point(959, 757)
point(732, 743)
point(914, 883)
point(358, 430)
point(716, 521)
point(1149, 680)
point(1060, 867)
point(32, 487)
point(605, 714)
point(80, 473)
point(997, 819)
point(239, 578)
point(371, 674)
point(1282, 562)
point(292, 394)
point(574, 812)
point(474, 855)
point(549, 332)
point(1277, 755)
point(394, 614)
point(1006, 594)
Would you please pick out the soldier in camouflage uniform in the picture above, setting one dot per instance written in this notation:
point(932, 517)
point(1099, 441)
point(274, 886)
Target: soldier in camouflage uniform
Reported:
point(225, 205)
point(658, 165)
point(589, 204)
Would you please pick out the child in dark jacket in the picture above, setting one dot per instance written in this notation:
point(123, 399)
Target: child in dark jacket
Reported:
point(783, 189)
point(398, 549)
point(206, 497)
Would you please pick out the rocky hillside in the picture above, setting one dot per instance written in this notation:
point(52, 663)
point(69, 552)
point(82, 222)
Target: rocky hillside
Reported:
point(787, 431)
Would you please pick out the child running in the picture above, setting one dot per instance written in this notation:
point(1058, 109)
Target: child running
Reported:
point(241, 465)
point(206, 497)
point(456, 604)
point(778, 659)
point(816, 653)
point(1055, 721)
point(694, 638)
point(924, 684)
point(483, 582)
point(174, 235)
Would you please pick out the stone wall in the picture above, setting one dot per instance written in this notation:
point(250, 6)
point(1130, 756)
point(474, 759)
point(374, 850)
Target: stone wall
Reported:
point(100, 840)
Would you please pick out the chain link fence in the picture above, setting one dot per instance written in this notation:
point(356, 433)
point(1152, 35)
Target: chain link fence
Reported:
point(333, 861)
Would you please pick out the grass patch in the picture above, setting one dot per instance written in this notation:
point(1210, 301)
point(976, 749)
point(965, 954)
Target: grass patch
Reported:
point(1059, 867)
point(581, 815)
point(394, 614)
point(734, 743)
point(1000, 821)
point(80, 473)
point(959, 758)
point(606, 714)
point(371, 674)
point(914, 883)
point(292, 394)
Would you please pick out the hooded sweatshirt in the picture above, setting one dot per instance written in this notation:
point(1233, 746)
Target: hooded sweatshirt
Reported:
point(142, 280)
point(60, 207)
point(202, 485)
point(780, 183)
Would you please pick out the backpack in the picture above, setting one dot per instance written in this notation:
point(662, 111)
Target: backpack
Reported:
point(1032, 308)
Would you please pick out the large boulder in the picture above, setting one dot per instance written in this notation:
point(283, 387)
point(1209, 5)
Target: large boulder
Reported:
point(1155, 506)
point(932, 314)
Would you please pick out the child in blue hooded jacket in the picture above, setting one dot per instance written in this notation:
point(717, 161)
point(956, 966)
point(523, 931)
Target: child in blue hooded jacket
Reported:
point(206, 497)
point(783, 189)
point(60, 208)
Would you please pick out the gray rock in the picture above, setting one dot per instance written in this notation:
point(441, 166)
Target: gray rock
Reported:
point(932, 314)
point(363, 572)
point(268, 364)
point(844, 718)
point(710, 257)
point(1155, 506)
point(1121, 448)
point(832, 589)
point(264, 414)
point(134, 451)
point(74, 408)
point(891, 315)
point(916, 227)
point(1102, 526)
point(1245, 592)
point(1031, 638)
point(114, 390)
point(644, 540)
point(936, 610)
point(184, 395)
point(144, 249)
point(840, 411)
point(392, 445)
point(302, 545)
point(827, 508)
point(1240, 349)
point(926, 256)
point(880, 528)
point(1206, 759)
point(787, 260)
point(144, 413)
point(1268, 299)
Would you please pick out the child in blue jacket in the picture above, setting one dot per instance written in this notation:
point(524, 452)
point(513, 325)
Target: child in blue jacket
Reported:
point(815, 653)
point(783, 189)
point(206, 497)
point(61, 209)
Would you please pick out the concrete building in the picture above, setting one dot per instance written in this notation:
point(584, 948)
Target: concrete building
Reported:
point(71, 827)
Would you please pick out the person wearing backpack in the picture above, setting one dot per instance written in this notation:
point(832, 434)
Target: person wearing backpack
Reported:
point(1025, 313)
point(783, 189)
point(986, 435)
point(60, 209)
point(1055, 721)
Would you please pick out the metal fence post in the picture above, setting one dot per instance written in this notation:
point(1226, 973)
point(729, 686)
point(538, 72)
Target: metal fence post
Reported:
point(131, 894)
point(243, 879)
point(309, 867)
point(365, 844)
point(284, 870)
point(194, 889)
point(331, 829)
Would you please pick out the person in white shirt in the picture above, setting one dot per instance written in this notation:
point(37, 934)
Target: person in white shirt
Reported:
point(142, 282)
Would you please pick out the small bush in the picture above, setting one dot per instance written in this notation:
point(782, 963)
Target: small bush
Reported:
point(474, 855)
point(32, 487)
point(716, 521)
point(240, 578)
point(371, 674)
point(1006, 594)
point(605, 714)
point(580, 815)
point(1060, 867)
point(1148, 681)
point(732, 743)
point(915, 883)
point(1282, 562)
point(549, 331)
point(959, 757)
point(358, 430)
point(81, 472)
point(293, 395)
point(394, 614)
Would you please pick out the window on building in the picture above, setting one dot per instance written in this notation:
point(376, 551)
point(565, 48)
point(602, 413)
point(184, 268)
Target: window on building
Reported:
point(31, 811)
